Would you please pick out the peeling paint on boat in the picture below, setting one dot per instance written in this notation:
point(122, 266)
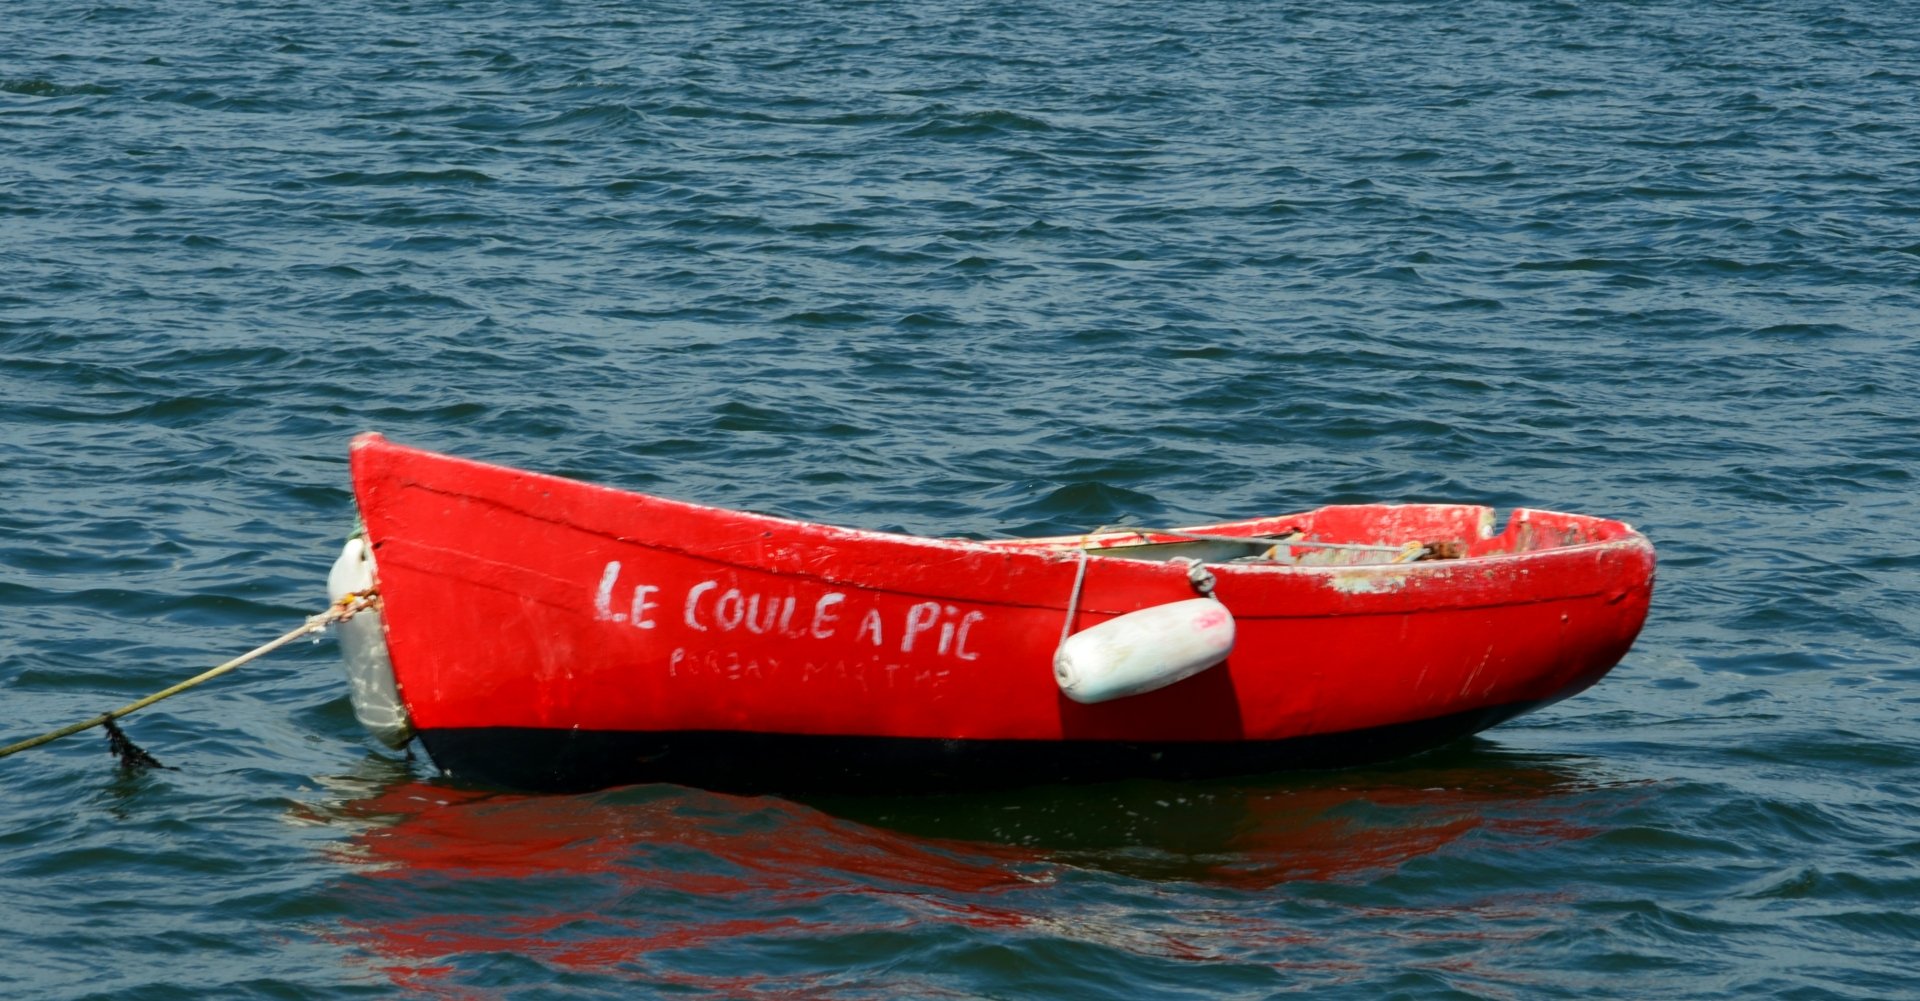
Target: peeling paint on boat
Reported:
point(1368, 581)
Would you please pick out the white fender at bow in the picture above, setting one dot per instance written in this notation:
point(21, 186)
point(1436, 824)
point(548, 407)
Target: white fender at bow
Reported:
point(363, 646)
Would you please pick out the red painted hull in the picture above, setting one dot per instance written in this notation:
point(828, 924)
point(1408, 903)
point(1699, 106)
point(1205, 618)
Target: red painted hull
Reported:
point(542, 611)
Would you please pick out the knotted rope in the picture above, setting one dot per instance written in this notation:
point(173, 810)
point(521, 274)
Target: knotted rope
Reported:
point(1198, 575)
point(130, 754)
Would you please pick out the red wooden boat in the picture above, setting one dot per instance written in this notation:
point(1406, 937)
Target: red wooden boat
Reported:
point(539, 632)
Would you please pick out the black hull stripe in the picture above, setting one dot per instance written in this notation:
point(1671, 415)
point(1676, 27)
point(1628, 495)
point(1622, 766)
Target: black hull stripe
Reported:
point(752, 763)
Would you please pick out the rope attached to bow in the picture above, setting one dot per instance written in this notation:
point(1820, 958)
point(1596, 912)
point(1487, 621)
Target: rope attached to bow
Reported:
point(129, 753)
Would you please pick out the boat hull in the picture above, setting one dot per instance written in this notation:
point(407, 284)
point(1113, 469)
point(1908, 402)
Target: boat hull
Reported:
point(548, 633)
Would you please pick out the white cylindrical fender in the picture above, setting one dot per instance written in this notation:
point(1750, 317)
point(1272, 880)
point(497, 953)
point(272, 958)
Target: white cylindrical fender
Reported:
point(1144, 650)
point(363, 647)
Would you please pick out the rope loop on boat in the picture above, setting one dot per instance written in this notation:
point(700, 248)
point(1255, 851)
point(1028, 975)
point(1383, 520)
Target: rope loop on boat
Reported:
point(1198, 575)
point(129, 753)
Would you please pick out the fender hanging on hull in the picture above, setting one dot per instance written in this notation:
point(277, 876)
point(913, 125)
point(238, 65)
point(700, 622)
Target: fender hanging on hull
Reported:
point(363, 650)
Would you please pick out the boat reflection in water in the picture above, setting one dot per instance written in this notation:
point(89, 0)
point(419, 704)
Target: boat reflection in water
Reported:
point(453, 888)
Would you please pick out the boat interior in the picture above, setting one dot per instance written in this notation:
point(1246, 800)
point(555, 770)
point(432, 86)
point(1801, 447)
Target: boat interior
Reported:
point(1346, 535)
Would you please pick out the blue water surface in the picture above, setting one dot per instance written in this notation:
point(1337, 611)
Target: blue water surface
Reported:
point(986, 268)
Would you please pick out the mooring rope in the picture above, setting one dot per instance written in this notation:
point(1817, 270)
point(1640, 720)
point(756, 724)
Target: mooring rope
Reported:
point(340, 611)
